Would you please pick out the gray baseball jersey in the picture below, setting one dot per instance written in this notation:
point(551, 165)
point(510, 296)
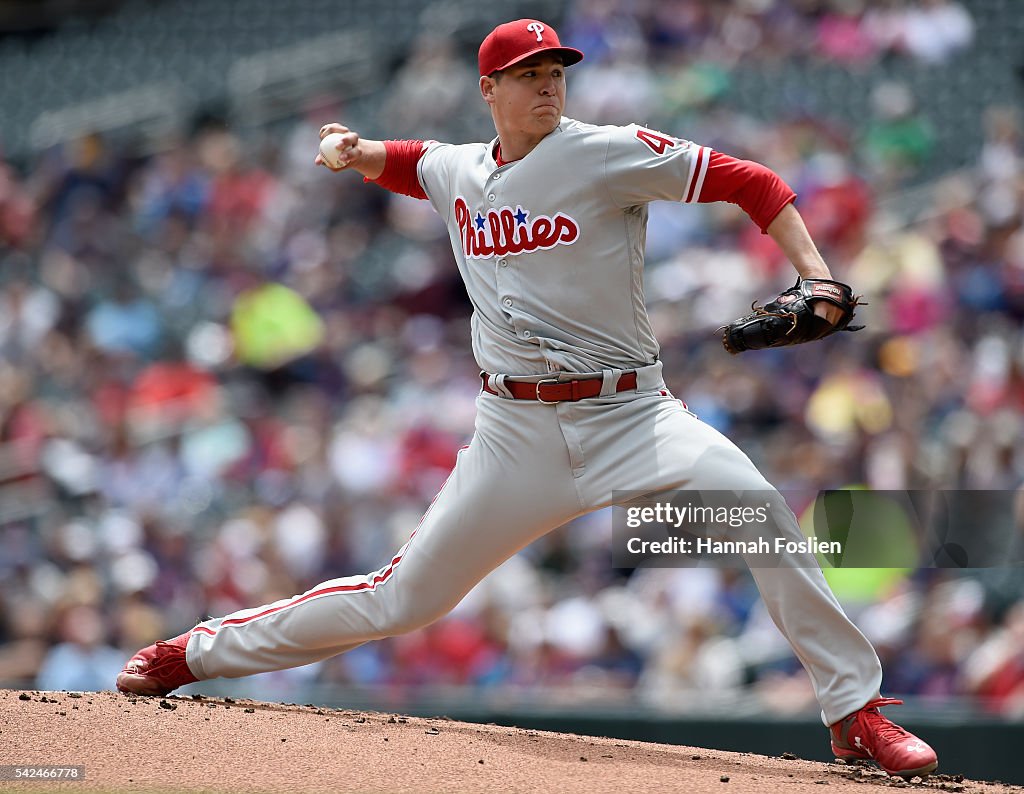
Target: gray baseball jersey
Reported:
point(551, 248)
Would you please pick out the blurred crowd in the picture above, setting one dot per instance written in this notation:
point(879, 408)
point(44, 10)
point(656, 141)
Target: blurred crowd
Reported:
point(852, 32)
point(226, 376)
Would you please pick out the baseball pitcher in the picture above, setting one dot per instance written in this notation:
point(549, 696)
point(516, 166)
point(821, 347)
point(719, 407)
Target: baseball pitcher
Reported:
point(547, 225)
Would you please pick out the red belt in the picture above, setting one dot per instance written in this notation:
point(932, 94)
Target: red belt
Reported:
point(552, 390)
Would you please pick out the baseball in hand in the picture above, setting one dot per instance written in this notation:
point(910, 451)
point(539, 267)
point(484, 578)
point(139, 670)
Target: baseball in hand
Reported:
point(329, 150)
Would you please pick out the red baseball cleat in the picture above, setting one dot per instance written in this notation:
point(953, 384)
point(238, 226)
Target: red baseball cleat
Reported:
point(157, 669)
point(866, 734)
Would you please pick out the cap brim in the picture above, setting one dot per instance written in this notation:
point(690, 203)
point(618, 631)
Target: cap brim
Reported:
point(569, 56)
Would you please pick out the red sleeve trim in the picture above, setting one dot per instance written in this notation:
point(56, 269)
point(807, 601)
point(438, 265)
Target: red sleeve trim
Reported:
point(757, 190)
point(399, 175)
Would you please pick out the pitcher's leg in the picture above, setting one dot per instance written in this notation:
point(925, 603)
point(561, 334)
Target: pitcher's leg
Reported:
point(502, 494)
point(667, 447)
point(843, 666)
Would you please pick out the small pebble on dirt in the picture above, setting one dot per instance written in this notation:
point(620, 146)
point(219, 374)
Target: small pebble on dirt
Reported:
point(787, 756)
point(23, 696)
point(249, 711)
point(724, 779)
point(166, 704)
point(431, 731)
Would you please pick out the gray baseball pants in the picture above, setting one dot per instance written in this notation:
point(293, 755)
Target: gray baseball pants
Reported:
point(530, 468)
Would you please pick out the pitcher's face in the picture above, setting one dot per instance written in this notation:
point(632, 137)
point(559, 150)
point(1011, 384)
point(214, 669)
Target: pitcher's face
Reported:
point(528, 97)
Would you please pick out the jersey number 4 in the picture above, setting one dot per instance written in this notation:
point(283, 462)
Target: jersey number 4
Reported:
point(658, 142)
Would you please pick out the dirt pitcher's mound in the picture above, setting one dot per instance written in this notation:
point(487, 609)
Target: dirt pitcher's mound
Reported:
point(201, 744)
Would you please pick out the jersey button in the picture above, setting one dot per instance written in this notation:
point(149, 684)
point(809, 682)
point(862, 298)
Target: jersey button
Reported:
point(507, 301)
point(502, 263)
point(527, 334)
point(491, 197)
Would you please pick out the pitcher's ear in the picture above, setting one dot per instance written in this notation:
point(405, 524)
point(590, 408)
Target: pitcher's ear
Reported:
point(487, 84)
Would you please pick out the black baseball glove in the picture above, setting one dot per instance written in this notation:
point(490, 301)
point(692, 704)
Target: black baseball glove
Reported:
point(790, 318)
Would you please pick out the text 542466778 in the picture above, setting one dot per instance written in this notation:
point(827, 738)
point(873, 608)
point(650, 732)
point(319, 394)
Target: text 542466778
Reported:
point(41, 772)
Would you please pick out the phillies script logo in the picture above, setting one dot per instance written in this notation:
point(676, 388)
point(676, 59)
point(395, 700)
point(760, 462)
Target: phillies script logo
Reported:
point(508, 231)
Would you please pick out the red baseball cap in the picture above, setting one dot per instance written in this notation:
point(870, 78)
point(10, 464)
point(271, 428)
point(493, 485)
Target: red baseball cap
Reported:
point(510, 43)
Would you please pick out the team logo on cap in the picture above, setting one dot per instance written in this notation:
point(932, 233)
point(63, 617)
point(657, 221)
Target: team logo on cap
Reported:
point(536, 27)
point(511, 230)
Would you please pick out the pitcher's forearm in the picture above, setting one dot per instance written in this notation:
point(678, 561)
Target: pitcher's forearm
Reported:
point(791, 235)
point(371, 160)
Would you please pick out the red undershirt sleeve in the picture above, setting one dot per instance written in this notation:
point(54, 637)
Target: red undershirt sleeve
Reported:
point(756, 189)
point(399, 175)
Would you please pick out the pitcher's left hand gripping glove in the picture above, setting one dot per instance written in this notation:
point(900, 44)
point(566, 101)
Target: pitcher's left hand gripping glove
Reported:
point(790, 319)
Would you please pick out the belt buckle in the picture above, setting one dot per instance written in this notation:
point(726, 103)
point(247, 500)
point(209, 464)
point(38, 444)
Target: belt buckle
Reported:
point(537, 391)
